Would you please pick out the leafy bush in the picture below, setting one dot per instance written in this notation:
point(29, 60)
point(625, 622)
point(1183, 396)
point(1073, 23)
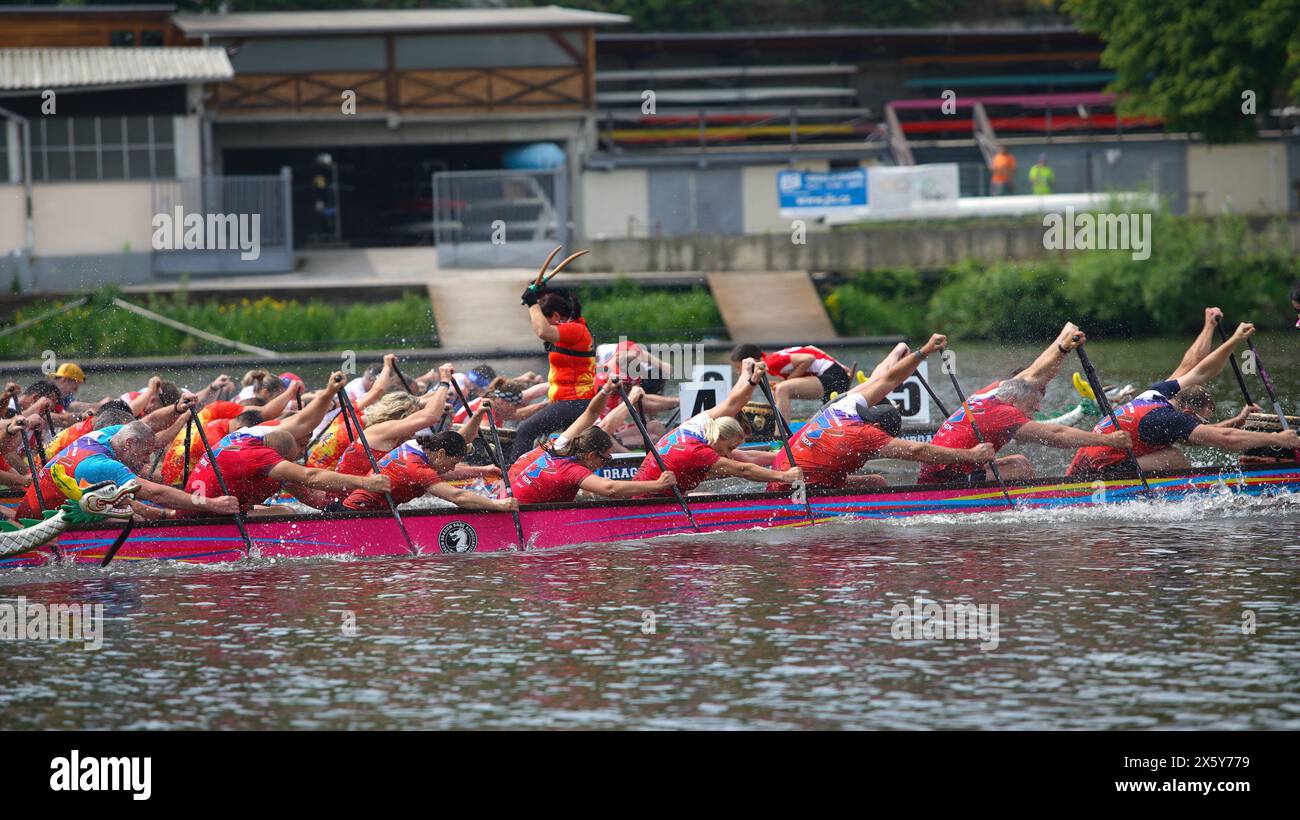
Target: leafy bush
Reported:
point(1194, 262)
point(651, 314)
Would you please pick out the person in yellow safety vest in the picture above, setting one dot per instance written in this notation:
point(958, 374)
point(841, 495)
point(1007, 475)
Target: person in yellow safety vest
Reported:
point(1003, 171)
point(1041, 176)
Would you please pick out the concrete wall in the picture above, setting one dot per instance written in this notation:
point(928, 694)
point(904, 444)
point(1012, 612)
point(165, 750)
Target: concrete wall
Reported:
point(75, 218)
point(758, 184)
point(847, 250)
point(1250, 178)
point(615, 203)
point(13, 219)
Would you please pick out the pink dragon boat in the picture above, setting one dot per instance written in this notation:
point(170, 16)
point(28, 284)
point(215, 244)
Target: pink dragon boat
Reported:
point(446, 530)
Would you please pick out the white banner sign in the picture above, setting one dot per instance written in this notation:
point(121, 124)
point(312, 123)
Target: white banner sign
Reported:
point(696, 397)
point(912, 400)
point(712, 373)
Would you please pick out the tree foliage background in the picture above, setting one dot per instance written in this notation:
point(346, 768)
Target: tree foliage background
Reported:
point(1190, 61)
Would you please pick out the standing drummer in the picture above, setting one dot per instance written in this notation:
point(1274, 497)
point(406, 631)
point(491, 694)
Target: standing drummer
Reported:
point(556, 317)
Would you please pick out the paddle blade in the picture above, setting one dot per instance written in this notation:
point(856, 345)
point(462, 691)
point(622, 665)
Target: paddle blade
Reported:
point(862, 377)
point(1084, 389)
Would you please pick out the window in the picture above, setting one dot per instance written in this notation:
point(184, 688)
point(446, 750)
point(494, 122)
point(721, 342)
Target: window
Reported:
point(121, 39)
point(151, 38)
point(100, 148)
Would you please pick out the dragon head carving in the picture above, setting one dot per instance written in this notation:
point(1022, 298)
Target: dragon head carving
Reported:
point(97, 502)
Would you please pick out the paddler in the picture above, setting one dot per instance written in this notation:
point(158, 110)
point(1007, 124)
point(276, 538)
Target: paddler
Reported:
point(557, 321)
point(217, 418)
point(120, 453)
point(1173, 411)
point(1003, 411)
point(804, 372)
point(417, 467)
point(558, 469)
point(114, 411)
point(362, 391)
point(636, 366)
point(11, 433)
point(862, 425)
point(158, 393)
point(703, 446)
point(256, 461)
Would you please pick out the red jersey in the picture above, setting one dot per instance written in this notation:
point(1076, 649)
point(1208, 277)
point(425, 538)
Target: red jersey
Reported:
point(1130, 417)
point(608, 365)
point(572, 362)
point(997, 420)
point(354, 461)
point(686, 454)
point(833, 444)
point(408, 468)
point(539, 477)
point(245, 462)
point(173, 465)
point(462, 416)
point(779, 363)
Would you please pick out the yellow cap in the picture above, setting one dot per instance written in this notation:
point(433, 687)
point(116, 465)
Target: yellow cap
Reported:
point(68, 370)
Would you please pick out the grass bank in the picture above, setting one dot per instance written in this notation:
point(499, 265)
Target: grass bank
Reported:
point(98, 329)
point(101, 330)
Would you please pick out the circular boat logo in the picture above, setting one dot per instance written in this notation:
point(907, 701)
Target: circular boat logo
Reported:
point(457, 537)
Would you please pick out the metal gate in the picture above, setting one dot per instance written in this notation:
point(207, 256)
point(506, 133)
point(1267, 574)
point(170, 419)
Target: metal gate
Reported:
point(269, 198)
point(498, 219)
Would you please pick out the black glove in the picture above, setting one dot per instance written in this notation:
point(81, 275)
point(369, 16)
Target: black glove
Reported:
point(531, 295)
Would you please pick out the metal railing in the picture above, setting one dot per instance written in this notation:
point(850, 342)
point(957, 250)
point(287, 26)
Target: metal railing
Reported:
point(498, 218)
point(270, 198)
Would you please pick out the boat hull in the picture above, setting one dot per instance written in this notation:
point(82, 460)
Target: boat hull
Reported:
point(449, 531)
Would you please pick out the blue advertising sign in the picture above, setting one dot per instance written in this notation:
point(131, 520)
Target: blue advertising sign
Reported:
point(821, 189)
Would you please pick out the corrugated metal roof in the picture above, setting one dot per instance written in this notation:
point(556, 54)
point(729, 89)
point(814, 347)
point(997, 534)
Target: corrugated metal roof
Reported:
point(386, 20)
point(42, 68)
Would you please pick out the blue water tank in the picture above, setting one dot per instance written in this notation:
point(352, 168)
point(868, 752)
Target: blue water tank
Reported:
point(534, 156)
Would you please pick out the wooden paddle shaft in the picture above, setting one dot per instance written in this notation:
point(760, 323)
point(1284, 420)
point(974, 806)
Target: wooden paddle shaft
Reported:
point(654, 451)
point(221, 481)
point(785, 438)
point(345, 405)
point(498, 458)
point(993, 465)
point(1236, 368)
point(1104, 403)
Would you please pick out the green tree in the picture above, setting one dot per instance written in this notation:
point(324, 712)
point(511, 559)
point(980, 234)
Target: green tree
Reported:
point(1189, 62)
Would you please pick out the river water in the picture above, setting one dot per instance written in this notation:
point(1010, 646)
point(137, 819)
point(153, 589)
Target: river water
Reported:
point(1149, 615)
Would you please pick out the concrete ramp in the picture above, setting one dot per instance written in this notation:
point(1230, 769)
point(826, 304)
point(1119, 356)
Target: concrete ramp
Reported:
point(763, 307)
point(478, 309)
